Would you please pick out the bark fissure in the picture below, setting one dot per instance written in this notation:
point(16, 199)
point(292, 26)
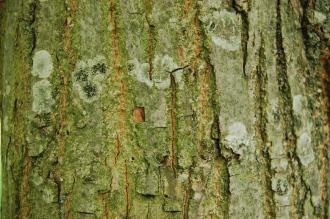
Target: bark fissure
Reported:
point(173, 119)
point(23, 202)
point(204, 54)
point(224, 165)
point(151, 36)
point(119, 82)
point(244, 32)
point(64, 200)
point(324, 159)
point(296, 180)
point(126, 191)
point(261, 81)
point(187, 193)
point(118, 77)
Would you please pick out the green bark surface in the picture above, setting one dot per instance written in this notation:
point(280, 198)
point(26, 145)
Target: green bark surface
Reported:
point(165, 108)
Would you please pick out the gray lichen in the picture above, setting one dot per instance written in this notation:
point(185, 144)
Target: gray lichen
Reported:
point(87, 78)
point(304, 149)
point(237, 137)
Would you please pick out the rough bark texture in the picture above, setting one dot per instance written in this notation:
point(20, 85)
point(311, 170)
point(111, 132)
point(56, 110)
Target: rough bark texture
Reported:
point(165, 108)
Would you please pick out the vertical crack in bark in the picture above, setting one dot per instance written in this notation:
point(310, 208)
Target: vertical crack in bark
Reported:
point(151, 36)
point(304, 25)
point(23, 202)
point(306, 29)
point(118, 81)
point(261, 101)
point(66, 211)
point(244, 32)
point(173, 150)
point(296, 180)
point(105, 205)
point(126, 191)
point(24, 188)
point(118, 148)
point(61, 141)
point(324, 159)
point(116, 58)
point(187, 193)
point(209, 81)
point(64, 202)
point(224, 169)
point(203, 77)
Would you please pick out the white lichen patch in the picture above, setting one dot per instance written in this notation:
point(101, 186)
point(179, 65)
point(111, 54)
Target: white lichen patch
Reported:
point(197, 187)
point(320, 17)
point(158, 117)
point(36, 149)
point(224, 29)
point(304, 149)
point(231, 44)
point(140, 71)
point(298, 103)
point(7, 90)
point(48, 195)
point(237, 137)
point(162, 66)
point(42, 64)
point(115, 180)
point(5, 123)
point(36, 179)
point(42, 97)
point(280, 164)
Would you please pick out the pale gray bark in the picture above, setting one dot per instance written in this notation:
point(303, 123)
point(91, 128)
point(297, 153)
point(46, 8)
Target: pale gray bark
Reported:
point(165, 109)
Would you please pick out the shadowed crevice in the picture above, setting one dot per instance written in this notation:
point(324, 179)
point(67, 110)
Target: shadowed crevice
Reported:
point(299, 187)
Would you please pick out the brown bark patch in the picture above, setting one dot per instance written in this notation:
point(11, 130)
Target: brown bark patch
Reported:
point(138, 114)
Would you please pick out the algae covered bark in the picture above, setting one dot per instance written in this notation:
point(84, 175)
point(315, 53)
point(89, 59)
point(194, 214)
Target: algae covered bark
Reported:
point(165, 108)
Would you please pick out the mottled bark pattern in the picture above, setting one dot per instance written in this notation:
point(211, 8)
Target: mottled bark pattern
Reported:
point(165, 108)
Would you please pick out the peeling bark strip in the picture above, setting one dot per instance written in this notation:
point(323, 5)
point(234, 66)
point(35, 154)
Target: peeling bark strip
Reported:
point(324, 159)
point(261, 130)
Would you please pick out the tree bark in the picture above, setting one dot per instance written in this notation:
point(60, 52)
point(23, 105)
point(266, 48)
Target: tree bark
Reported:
point(165, 109)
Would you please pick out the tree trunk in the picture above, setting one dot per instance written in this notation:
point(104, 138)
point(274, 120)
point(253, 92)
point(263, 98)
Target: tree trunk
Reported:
point(165, 108)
